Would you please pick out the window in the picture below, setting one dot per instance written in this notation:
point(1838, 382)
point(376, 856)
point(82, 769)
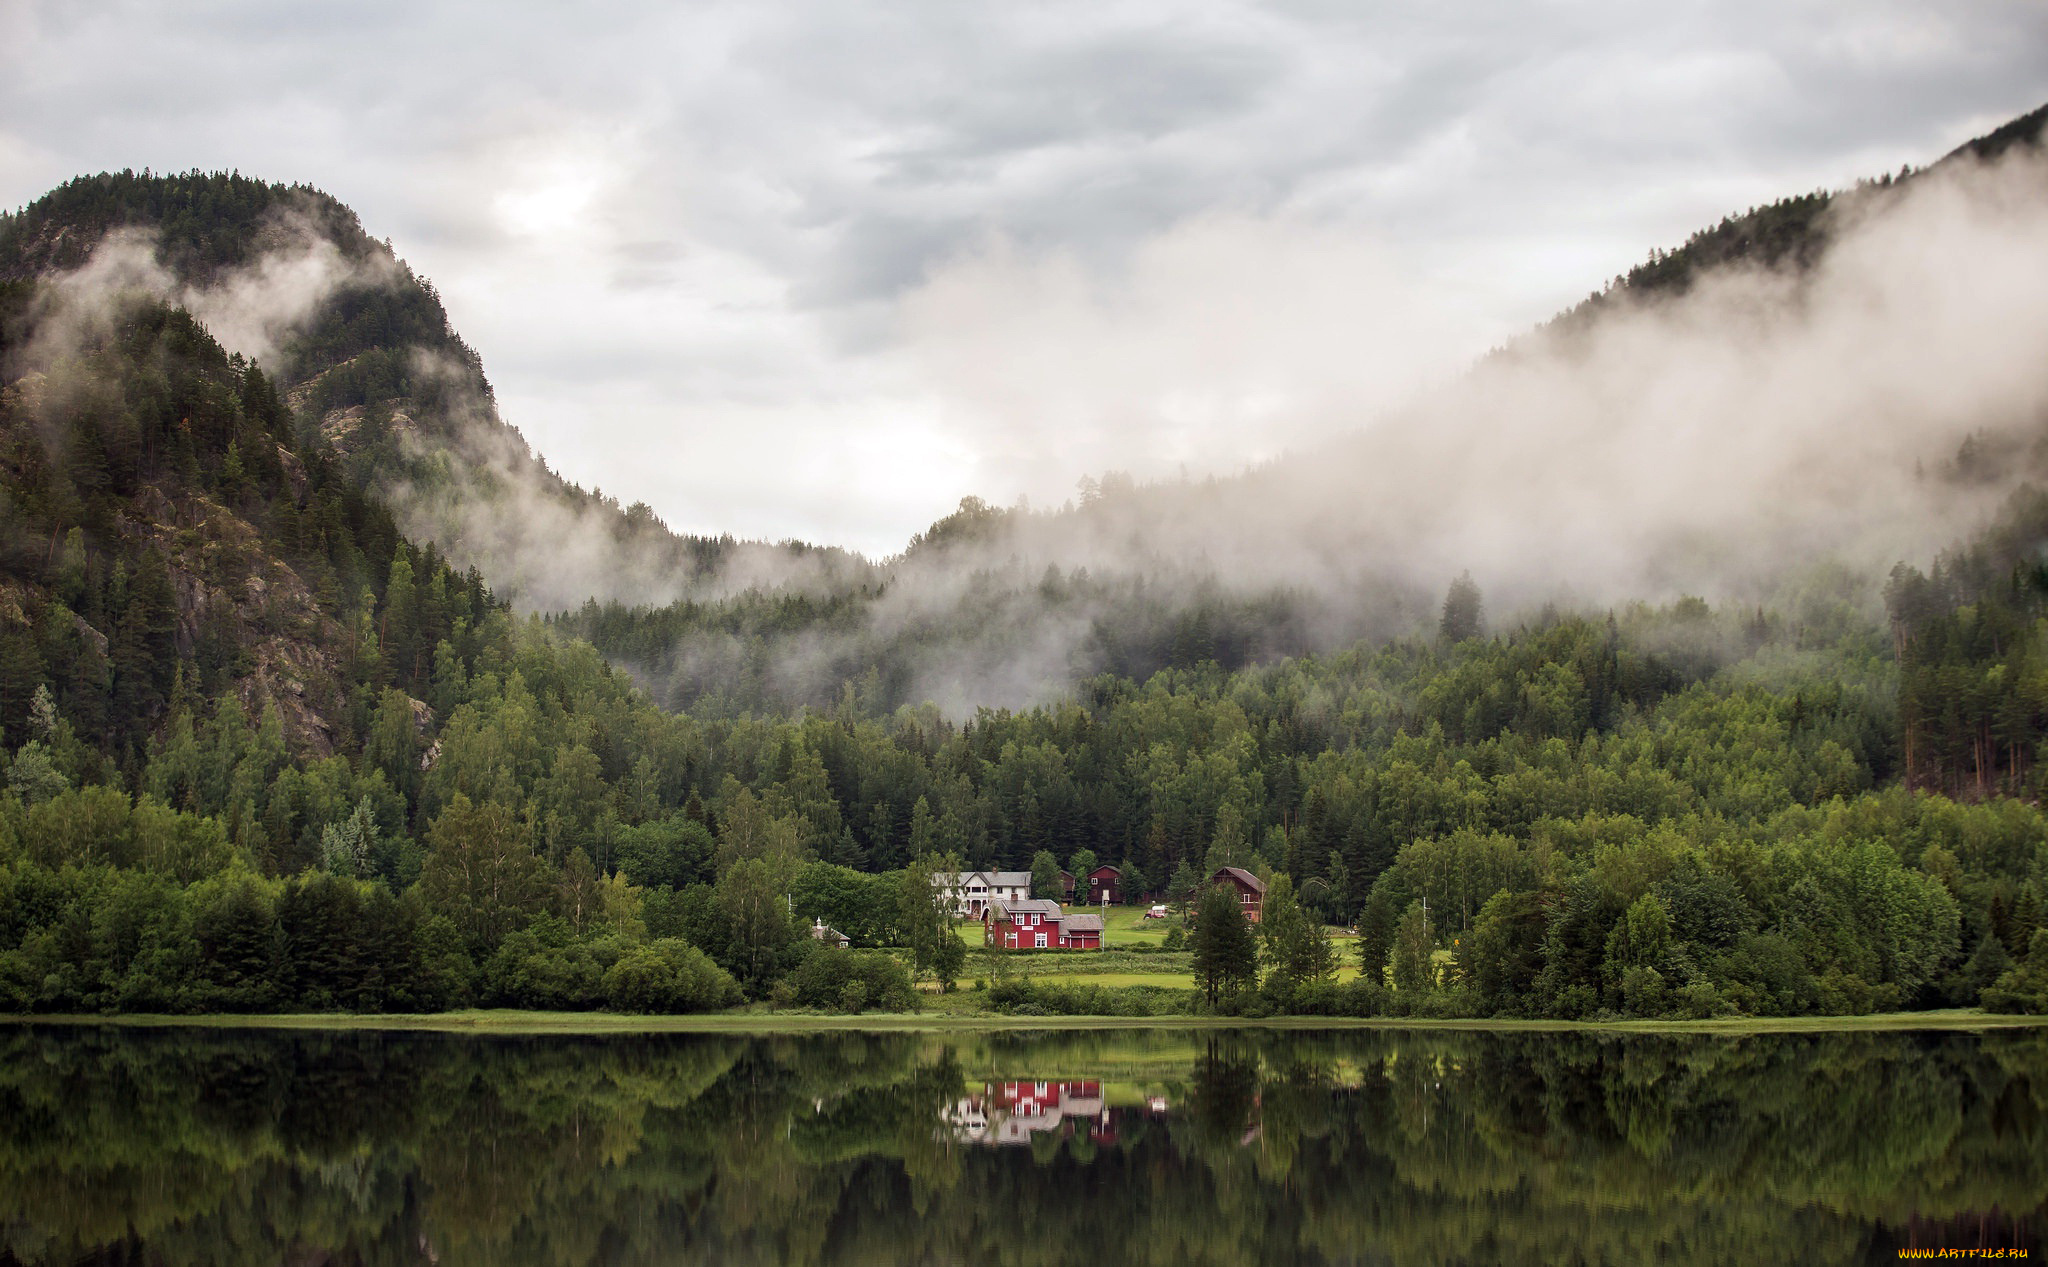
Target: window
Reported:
point(1041, 941)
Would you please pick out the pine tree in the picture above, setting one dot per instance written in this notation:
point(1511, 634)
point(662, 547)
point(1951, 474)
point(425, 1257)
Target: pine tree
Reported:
point(1225, 956)
point(1463, 615)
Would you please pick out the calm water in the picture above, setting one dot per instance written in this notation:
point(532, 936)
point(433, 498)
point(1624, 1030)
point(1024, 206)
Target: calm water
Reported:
point(1125, 1147)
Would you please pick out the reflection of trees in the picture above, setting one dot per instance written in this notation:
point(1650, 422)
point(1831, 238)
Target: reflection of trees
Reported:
point(191, 1147)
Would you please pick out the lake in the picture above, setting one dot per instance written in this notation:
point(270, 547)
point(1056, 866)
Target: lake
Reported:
point(1083, 1147)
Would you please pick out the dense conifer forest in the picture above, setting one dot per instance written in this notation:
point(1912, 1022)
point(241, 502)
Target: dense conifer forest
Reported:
point(263, 750)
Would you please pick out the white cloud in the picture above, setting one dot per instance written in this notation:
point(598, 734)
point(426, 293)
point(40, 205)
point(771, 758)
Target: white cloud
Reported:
point(697, 225)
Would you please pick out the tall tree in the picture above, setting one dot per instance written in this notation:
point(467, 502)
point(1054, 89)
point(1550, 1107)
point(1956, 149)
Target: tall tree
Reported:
point(1045, 876)
point(1225, 956)
point(1463, 615)
point(482, 872)
point(1297, 951)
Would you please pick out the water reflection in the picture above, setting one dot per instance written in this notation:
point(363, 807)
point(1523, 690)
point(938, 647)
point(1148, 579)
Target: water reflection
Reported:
point(199, 1147)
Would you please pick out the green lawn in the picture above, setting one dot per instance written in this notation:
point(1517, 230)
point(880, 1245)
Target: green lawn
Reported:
point(1121, 926)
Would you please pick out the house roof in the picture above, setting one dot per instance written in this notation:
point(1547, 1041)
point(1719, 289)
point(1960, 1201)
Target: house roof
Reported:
point(1105, 867)
point(1242, 876)
point(994, 879)
point(1084, 923)
point(1026, 906)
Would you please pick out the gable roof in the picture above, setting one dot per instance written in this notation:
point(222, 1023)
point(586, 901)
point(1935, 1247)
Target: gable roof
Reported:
point(1105, 867)
point(1084, 923)
point(1026, 906)
point(993, 879)
point(1242, 876)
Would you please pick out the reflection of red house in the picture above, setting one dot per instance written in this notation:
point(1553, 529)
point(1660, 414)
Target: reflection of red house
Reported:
point(1037, 924)
point(1251, 891)
point(1013, 1112)
point(1105, 884)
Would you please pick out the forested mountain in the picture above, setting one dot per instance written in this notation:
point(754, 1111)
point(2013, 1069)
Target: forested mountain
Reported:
point(362, 351)
point(1711, 726)
point(1842, 378)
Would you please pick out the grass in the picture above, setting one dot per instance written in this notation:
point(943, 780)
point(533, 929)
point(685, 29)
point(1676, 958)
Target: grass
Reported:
point(1121, 926)
point(951, 1013)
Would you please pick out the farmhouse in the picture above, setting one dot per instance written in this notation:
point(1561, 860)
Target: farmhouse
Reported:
point(1251, 891)
point(971, 892)
point(1036, 924)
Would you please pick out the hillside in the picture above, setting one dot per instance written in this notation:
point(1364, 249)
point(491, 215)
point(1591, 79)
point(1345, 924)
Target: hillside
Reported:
point(363, 353)
point(1834, 381)
point(173, 540)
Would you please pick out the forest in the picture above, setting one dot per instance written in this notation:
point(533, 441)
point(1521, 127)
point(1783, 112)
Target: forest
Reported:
point(261, 751)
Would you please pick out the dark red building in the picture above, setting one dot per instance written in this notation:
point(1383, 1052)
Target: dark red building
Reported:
point(1251, 891)
point(1106, 884)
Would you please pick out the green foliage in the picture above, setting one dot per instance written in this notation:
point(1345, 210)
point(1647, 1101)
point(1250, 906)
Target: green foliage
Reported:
point(1045, 877)
point(1224, 954)
point(2023, 988)
point(853, 981)
point(1297, 951)
point(668, 975)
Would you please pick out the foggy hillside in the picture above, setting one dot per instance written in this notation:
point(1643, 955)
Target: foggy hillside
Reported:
point(1826, 386)
point(1832, 382)
point(366, 356)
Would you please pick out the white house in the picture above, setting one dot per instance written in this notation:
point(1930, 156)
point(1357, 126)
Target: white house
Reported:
point(970, 892)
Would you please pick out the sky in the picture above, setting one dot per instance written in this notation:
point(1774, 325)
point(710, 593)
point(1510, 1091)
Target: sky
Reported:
point(818, 270)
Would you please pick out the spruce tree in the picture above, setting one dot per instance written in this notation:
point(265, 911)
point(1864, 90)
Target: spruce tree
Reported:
point(1225, 958)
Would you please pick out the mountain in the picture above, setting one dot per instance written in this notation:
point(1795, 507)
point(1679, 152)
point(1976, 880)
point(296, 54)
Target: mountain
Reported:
point(363, 353)
point(171, 538)
point(1791, 401)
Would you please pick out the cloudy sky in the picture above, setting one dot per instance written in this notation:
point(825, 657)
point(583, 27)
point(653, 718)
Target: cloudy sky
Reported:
point(819, 269)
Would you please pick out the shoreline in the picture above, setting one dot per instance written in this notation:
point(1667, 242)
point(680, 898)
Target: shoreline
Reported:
point(487, 1021)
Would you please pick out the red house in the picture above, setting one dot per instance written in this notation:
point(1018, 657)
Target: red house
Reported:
point(1251, 891)
point(1037, 924)
point(1105, 884)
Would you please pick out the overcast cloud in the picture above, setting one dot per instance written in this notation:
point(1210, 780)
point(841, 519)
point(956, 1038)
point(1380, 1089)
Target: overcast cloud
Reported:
point(817, 270)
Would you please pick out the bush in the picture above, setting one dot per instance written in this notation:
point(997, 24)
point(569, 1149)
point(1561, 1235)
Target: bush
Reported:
point(853, 981)
point(2024, 988)
point(1022, 997)
point(668, 975)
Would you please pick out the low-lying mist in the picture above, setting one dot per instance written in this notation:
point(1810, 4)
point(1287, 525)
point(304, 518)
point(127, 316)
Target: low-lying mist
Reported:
point(1871, 407)
point(1873, 404)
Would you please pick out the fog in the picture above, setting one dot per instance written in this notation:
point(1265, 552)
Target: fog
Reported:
point(1723, 443)
point(1719, 442)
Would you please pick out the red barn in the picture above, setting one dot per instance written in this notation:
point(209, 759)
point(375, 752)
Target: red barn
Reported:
point(1037, 924)
point(1251, 891)
point(1105, 884)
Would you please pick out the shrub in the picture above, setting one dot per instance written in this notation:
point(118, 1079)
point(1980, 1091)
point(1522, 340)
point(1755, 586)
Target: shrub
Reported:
point(853, 981)
point(668, 975)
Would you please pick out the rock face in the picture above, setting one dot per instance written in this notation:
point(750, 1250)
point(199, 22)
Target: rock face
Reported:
point(228, 584)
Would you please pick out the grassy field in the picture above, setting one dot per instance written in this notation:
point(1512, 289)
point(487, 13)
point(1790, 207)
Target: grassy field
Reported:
point(951, 1013)
point(1121, 926)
